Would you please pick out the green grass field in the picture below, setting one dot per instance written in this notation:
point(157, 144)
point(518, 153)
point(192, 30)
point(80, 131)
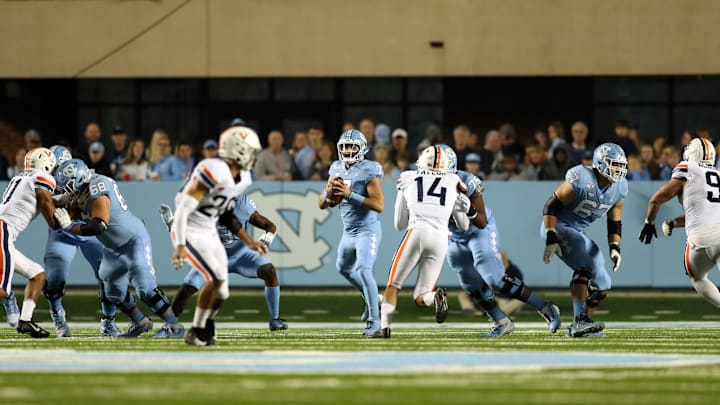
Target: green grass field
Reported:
point(433, 350)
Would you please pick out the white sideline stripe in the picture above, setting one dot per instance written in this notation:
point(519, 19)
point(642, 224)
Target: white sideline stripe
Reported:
point(328, 362)
point(450, 325)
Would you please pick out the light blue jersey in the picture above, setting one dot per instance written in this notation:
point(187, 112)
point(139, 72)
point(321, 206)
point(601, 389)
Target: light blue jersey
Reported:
point(123, 225)
point(474, 187)
point(244, 208)
point(590, 201)
point(358, 176)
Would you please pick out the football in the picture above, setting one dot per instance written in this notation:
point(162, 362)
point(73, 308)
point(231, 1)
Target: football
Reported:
point(336, 198)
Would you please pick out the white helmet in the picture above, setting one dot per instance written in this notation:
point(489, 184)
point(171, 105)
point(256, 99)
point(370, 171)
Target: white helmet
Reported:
point(435, 158)
point(700, 150)
point(42, 159)
point(239, 144)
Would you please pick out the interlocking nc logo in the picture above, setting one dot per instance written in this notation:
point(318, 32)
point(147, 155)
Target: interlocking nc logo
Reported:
point(304, 248)
point(70, 170)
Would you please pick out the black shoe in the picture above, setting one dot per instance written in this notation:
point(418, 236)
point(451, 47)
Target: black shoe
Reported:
point(441, 305)
point(32, 329)
point(383, 333)
point(195, 337)
point(211, 337)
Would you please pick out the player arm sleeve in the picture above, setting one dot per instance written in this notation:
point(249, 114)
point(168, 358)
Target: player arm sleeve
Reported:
point(185, 205)
point(552, 206)
point(402, 215)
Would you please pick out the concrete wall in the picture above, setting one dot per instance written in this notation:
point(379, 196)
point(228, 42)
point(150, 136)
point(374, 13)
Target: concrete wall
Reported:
point(245, 38)
point(305, 250)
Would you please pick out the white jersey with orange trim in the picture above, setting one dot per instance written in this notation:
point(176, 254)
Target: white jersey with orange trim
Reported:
point(18, 206)
point(427, 200)
point(214, 174)
point(700, 201)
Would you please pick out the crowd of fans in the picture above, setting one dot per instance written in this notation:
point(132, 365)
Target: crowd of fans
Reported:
point(502, 155)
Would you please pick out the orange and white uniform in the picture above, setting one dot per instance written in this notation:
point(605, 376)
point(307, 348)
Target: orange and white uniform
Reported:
point(18, 208)
point(425, 203)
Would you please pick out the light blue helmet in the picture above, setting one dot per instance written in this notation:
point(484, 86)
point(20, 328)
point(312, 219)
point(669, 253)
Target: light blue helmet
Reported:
point(62, 154)
point(352, 146)
point(609, 159)
point(451, 158)
point(72, 176)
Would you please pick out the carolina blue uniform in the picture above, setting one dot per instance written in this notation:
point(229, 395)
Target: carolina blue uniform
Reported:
point(591, 203)
point(362, 232)
point(241, 259)
point(128, 254)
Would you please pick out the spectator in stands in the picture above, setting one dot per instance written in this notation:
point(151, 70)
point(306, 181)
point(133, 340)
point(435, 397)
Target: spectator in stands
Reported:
point(669, 158)
point(433, 136)
point(473, 163)
point(472, 141)
point(634, 136)
point(347, 126)
point(587, 159)
point(558, 165)
point(542, 139)
point(579, 132)
point(367, 127)
point(184, 153)
point(382, 156)
point(4, 167)
point(210, 149)
point(511, 170)
point(461, 133)
point(382, 134)
point(402, 161)
point(237, 121)
point(535, 163)
point(304, 154)
point(686, 137)
point(92, 134)
point(135, 167)
point(399, 144)
point(635, 169)
point(97, 160)
point(649, 162)
point(491, 154)
point(510, 145)
point(32, 139)
point(325, 157)
point(556, 134)
point(165, 166)
point(116, 154)
point(274, 162)
point(622, 129)
point(19, 166)
point(659, 144)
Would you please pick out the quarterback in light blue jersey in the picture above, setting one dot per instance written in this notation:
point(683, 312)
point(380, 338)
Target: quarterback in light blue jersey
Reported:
point(587, 194)
point(60, 250)
point(359, 183)
point(475, 255)
point(127, 257)
point(245, 257)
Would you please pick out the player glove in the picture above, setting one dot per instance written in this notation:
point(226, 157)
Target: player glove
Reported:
point(552, 245)
point(267, 238)
point(647, 233)
point(667, 227)
point(615, 256)
point(63, 218)
point(462, 203)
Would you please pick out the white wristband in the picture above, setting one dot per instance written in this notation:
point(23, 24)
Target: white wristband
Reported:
point(184, 205)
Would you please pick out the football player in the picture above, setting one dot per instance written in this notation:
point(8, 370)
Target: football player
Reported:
point(358, 182)
point(27, 194)
point(60, 250)
point(425, 202)
point(206, 199)
point(587, 194)
point(245, 257)
point(475, 255)
point(697, 182)
point(127, 257)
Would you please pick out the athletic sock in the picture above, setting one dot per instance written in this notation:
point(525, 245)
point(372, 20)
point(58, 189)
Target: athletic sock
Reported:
point(272, 297)
point(27, 310)
point(428, 298)
point(108, 309)
point(706, 289)
point(200, 317)
point(535, 301)
point(579, 307)
point(387, 313)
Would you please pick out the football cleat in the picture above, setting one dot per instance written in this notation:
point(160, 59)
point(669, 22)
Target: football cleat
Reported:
point(11, 309)
point(500, 328)
point(194, 337)
point(32, 329)
point(278, 324)
point(211, 338)
point(62, 330)
point(441, 305)
point(171, 331)
point(366, 311)
point(583, 325)
point(371, 328)
point(167, 215)
point(551, 313)
point(135, 329)
point(383, 333)
point(109, 328)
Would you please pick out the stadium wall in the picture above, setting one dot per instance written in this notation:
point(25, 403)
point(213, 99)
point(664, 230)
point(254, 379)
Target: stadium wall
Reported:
point(311, 38)
point(305, 250)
